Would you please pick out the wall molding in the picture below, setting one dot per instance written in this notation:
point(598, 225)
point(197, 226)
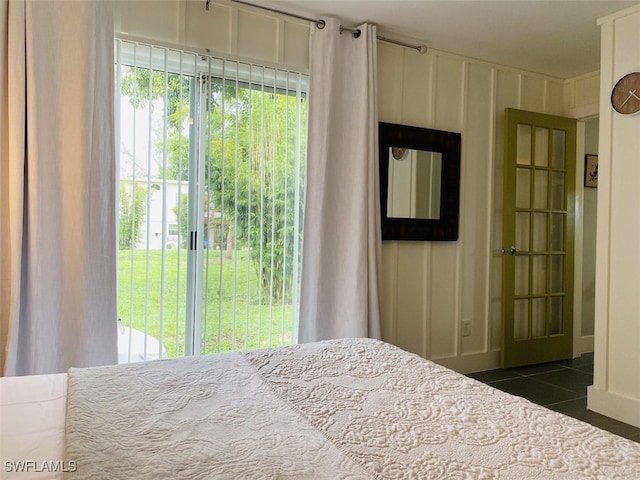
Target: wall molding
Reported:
point(621, 408)
point(585, 345)
point(477, 362)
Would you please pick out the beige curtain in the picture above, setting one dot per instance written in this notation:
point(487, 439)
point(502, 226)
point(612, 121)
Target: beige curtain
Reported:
point(341, 254)
point(57, 186)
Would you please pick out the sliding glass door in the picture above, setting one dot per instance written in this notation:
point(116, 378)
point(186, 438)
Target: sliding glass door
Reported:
point(211, 180)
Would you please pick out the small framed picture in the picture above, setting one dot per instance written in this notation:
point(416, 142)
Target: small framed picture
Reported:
point(591, 171)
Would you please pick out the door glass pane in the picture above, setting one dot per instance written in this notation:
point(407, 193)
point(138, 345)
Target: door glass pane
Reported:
point(555, 315)
point(524, 144)
point(557, 273)
point(521, 319)
point(521, 280)
point(557, 232)
point(541, 189)
point(558, 149)
point(539, 232)
point(523, 188)
point(542, 147)
point(538, 317)
point(539, 274)
point(522, 230)
point(557, 191)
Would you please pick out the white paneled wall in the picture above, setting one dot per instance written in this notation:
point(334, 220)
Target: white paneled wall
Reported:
point(616, 389)
point(226, 28)
point(582, 96)
point(430, 288)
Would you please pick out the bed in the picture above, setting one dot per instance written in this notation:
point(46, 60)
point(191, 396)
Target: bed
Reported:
point(340, 409)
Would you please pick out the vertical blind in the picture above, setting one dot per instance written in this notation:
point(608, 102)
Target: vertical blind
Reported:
point(211, 162)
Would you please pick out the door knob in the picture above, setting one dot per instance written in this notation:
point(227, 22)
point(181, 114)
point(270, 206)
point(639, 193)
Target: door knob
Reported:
point(511, 251)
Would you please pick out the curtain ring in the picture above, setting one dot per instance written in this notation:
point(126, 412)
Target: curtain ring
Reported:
point(320, 24)
point(356, 32)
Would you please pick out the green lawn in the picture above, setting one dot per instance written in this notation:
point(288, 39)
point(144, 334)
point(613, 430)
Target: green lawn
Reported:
point(235, 314)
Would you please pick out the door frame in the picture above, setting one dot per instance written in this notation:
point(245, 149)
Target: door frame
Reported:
point(581, 344)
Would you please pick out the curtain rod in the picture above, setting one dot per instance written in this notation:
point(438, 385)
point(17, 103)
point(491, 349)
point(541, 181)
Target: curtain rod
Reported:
point(321, 24)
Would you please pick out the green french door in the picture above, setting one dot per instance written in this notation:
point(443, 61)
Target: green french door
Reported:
point(538, 238)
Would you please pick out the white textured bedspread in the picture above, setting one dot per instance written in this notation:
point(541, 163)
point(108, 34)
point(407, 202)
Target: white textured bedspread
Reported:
point(345, 409)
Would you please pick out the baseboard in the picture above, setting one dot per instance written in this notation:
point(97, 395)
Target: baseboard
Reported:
point(479, 362)
point(585, 345)
point(476, 362)
point(621, 408)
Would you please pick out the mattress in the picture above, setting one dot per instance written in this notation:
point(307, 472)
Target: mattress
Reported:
point(32, 415)
point(341, 409)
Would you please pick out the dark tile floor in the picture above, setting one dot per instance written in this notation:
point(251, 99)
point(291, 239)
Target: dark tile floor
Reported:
point(560, 386)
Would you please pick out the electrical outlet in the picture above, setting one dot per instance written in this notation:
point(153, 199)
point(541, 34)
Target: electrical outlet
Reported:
point(466, 328)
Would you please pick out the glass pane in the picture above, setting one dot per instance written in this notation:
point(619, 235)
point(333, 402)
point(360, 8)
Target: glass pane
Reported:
point(539, 317)
point(558, 149)
point(542, 147)
point(557, 273)
point(539, 232)
point(522, 231)
point(523, 188)
point(557, 232)
point(151, 255)
point(521, 280)
point(557, 191)
point(521, 319)
point(541, 189)
point(524, 144)
point(555, 316)
point(539, 274)
point(240, 306)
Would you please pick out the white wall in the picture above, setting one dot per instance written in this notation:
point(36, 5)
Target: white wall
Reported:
point(616, 389)
point(226, 28)
point(582, 96)
point(430, 288)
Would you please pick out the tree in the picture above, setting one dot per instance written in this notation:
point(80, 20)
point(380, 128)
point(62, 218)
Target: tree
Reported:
point(171, 92)
point(252, 171)
point(182, 214)
point(132, 207)
point(142, 85)
point(251, 164)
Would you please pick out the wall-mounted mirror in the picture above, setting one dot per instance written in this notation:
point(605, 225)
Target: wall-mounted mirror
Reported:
point(419, 183)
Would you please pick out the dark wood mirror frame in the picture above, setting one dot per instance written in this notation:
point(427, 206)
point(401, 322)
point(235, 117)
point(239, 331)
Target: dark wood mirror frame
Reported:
point(448, 144)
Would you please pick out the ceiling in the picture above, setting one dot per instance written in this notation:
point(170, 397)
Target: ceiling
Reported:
point(554, 37)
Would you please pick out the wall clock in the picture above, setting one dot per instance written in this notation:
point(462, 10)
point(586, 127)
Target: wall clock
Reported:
point(625, 96)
